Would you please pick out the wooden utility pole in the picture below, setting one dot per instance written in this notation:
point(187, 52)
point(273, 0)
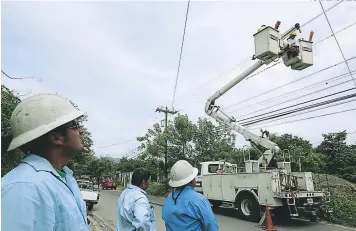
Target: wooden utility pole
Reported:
point(166, 111)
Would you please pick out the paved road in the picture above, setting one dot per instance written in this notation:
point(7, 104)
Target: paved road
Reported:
point(106, 209)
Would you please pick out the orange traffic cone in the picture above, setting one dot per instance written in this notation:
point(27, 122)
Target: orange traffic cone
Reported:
point(269, 225)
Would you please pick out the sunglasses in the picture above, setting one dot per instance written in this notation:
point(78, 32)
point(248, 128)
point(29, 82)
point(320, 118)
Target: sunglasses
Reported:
point(74, 125)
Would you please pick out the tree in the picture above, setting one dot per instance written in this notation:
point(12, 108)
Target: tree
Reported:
point(100, 167)
point(340, 159)
point(10, 159)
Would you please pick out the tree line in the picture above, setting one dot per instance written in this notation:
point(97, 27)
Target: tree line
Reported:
point(194, 142)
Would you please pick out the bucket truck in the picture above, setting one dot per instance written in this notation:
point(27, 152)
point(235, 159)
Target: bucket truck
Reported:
point(259, 184)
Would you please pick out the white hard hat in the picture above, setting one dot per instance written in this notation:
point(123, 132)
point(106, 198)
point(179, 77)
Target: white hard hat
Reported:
point(39, 114)
point(182, 173)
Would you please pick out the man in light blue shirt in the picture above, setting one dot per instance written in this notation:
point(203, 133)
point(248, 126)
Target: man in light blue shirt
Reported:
point(184, 208)
point(41, 194)
point(134, 209)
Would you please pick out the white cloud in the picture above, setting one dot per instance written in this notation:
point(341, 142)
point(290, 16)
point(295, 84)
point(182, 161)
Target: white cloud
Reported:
point(118, 60)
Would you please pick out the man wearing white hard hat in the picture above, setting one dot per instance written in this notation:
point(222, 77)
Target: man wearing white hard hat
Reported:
point(41, 194)
point(184, 208)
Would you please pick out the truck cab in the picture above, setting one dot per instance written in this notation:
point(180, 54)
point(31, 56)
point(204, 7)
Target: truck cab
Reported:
point(212, 167)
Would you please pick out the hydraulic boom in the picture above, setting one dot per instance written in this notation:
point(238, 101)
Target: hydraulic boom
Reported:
point(266, 52)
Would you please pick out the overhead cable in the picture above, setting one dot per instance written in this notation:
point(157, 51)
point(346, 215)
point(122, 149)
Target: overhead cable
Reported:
point(332, 79)
point(308, 111)
point(301, 109)
point(180, 55)
point(332, 35)
point(317, 16)
point(39, 79)
point(289, 100)
point(114, 144)
point(337, 42)
point(294, 81)
point(308, 118)
point(230, 70)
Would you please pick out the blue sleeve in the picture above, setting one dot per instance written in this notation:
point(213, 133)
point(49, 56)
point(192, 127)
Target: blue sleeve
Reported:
point(206, 216)
point(143, 215)
point(26, 207)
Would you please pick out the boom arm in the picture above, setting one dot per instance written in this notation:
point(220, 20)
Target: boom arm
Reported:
point(212, 110)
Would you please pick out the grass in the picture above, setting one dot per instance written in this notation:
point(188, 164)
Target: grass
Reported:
point(157, 189)
point(343, 198)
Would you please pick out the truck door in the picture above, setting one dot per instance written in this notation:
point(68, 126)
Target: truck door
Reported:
point(199, 180)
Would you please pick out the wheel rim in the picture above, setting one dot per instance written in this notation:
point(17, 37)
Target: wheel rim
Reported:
point(246, 207)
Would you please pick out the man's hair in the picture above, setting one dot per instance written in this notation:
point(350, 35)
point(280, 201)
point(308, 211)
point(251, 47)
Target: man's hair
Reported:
point(140, 175)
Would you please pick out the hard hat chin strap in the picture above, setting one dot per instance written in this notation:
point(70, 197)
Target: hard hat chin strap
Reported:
point(175, 199)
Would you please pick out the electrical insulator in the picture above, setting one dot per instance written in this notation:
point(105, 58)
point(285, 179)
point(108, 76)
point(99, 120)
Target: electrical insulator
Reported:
point(311, 36)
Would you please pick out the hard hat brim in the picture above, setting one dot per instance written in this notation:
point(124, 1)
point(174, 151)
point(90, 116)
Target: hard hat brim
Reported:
point(41, 130)
point(175, 184)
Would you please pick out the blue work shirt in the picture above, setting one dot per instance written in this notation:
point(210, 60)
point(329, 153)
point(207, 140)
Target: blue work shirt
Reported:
point(192, 212)
point(134, 211)
point(34, 198)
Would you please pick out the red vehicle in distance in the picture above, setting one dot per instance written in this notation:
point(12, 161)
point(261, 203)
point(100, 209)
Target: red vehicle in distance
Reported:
point(108, 185)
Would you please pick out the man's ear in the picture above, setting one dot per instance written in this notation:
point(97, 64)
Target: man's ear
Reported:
point(56, 138)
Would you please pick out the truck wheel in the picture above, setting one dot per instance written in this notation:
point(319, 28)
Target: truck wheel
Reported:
point(248, 207)
point(90, 207)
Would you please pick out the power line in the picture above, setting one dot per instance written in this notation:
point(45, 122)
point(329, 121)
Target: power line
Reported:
point(300, 109)
point(321, 40)
point(10, 77)
point(337, 42)
point(180, 55)
point(114, 144)
point(312, 117)
point(246, 59)
point(269, 67)
point(311, 93)
point(230, 70)
point(314, 73)
point(304, 112)
point(338, 77)
point(317, 16)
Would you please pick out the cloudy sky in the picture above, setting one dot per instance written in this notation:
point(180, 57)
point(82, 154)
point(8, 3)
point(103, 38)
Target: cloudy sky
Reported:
point(118, 61)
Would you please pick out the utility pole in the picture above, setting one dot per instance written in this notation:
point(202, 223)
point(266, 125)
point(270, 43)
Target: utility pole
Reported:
point(166, 111)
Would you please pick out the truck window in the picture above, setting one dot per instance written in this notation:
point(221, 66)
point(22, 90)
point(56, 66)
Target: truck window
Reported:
point(212, 168)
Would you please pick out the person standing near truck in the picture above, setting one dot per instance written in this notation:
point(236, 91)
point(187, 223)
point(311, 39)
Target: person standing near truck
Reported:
point(134, 210)
point(184, 208)
point(41, 194)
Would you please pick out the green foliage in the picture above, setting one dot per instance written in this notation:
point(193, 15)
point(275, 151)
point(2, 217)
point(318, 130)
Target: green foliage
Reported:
point(100, 167)
point(193, 142)
point(340, 159)
point(343, 198)
point(157, 189)
point(11, 159)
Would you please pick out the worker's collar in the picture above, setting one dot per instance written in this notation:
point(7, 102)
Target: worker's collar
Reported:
point(41, 164)
point(131, 186)
point(187, 187)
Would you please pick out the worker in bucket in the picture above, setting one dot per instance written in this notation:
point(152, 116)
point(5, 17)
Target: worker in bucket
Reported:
point(41, 193)
point(184, 208)
point(134, 210)
point(293, 48)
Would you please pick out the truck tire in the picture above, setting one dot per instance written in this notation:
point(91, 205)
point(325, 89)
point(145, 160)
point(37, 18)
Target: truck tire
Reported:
point(248, 207)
